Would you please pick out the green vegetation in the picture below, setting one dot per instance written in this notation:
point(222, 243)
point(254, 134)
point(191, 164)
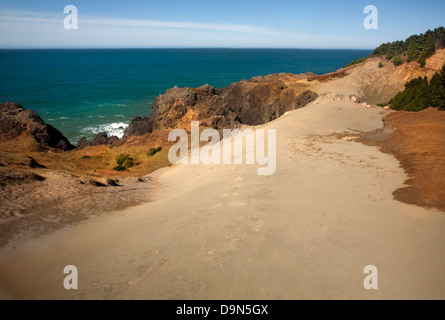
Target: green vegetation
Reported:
point(398, 61)
point(215, 127)
point(381, 65)
point(360, 60)
point(124, 162)
point(415, 48)
point(153, 151)
point(420, 94)
point(85, 158)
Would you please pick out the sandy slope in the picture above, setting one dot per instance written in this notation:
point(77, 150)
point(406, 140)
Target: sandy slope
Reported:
point(224, 232)
point(366, 79)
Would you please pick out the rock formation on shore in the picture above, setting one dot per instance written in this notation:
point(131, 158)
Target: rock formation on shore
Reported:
point(99, 139)
point(252, 102)
point(15, 121)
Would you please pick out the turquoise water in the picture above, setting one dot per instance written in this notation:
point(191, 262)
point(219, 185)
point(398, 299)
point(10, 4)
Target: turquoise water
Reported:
point(83, 92)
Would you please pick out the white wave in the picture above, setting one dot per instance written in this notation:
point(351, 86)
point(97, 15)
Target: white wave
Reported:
point(63, 118)
point(112, 129)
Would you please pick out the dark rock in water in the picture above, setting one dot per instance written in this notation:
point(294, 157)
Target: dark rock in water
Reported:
point(34, 164)
point(112, 183)
point(95, 183)
point(83, 142)
point(102, 139)
point(138, 127)
point(253, 102)
point(99, 139)
point(15, 121)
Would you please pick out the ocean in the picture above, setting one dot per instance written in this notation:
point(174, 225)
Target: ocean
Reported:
point(83, 92)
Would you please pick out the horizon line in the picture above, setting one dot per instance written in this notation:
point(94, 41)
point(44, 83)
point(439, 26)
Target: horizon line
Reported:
point(182, 48)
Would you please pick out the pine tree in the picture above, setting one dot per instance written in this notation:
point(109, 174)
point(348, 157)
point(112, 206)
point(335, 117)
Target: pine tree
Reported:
point(398, 61)
point(413, 53)
point(430, 45)
point(440, 36)
point(437, 90)
point(420, 94)
point(422, 60)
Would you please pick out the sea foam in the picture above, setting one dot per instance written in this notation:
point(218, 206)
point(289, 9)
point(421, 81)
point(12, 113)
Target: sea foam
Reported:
point(112, 129)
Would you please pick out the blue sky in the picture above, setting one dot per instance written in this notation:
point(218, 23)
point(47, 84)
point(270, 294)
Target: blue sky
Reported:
point(209, 24)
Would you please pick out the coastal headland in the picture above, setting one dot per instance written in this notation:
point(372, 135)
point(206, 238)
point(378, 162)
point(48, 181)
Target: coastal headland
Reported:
point(355, 184)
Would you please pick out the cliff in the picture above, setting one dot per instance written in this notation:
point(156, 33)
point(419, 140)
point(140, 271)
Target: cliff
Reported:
point(252, 102)
point(15, 121)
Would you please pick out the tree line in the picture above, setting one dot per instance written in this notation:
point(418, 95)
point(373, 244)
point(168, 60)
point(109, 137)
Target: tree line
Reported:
point(415, 48)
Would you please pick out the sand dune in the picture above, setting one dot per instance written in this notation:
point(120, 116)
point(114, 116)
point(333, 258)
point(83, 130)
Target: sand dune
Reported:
point(223, 232)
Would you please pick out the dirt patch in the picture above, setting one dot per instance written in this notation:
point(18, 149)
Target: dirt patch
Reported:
point(417, 139)
point(35, 204)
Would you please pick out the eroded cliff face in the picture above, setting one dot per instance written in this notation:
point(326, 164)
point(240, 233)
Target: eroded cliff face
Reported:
point(375, 83)
point(15, 121)
point(252, 102)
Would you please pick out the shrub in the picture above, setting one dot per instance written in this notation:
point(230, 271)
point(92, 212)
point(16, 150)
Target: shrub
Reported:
point(381, 65)
point(420, 94)
point(124, 160)
point(85, 158)
point(398, 61)
point(119, 168)
point(215, 127)
point(153, 151)
point(422, 61)
point(360, 60)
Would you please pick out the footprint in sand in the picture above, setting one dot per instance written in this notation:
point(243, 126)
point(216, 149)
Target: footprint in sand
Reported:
point(134, 282)
point(238, 203)
point(373, 198)
point(216, 205)
point(238, 179)
point(258, 226)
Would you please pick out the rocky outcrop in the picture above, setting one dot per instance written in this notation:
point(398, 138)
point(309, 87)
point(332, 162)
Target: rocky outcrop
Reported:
point(18, 177)
point(83, 142)
point(99, 139)
point(252, 102)
point(138, 127)
point(16, 121)
point(102, 139)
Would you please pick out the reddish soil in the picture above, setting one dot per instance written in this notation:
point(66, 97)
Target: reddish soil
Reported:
point(417, 139)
